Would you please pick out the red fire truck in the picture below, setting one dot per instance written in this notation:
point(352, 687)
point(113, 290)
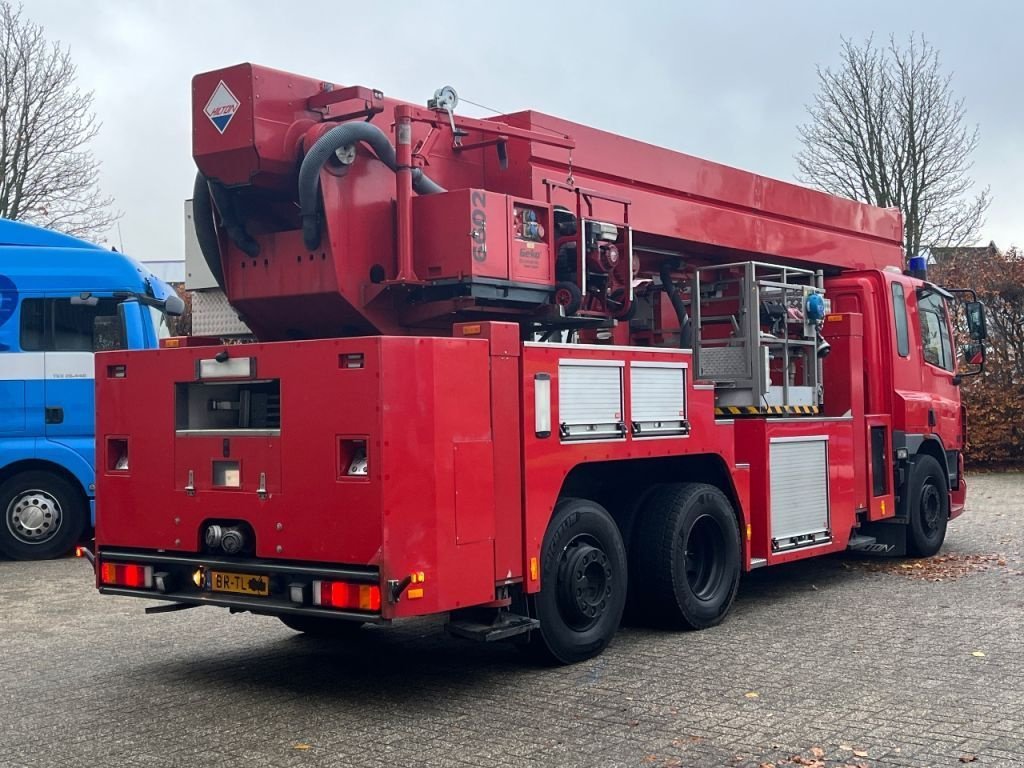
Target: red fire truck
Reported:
point(519, 372)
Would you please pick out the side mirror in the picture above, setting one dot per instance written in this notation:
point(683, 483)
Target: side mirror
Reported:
point(976, 320)
point(974, 354)
point(174, 306)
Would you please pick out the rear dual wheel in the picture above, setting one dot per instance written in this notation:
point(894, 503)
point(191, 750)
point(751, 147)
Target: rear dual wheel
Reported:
point(686, 556)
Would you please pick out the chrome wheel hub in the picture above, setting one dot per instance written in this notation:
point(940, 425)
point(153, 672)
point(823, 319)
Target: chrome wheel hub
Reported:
point(33, 516)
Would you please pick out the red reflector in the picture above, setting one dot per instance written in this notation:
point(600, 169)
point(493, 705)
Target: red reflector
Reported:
point(345, 596)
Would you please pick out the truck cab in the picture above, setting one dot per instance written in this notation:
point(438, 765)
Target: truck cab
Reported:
point(911, 372)
point(61, 300)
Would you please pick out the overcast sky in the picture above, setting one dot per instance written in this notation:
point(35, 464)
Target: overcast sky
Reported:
point(721, 79)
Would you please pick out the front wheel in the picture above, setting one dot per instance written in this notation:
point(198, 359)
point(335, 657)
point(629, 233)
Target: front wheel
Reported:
point(583, 584)
point(928, 506)
point(43, 516)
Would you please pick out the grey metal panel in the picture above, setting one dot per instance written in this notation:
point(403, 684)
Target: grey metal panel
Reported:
point(658, 397)
point(799, 487)
point(197, 274)
point(723, 362)
point(590, 398)
point(212, 315)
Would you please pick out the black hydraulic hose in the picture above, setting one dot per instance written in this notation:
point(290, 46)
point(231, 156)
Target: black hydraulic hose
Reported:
point(343, 136)
point(206, 230)
point(674, 296)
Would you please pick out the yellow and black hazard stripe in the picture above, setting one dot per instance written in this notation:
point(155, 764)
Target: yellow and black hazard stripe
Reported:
point(767, 410)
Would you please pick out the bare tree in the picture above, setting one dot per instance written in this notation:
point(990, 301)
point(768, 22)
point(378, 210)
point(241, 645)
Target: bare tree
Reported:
point(886, 128)
point(48, 176)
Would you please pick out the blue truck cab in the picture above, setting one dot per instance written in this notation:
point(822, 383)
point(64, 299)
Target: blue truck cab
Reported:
point(61, 300)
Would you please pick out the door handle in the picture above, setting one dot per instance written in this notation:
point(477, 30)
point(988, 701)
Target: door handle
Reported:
point(54, 415)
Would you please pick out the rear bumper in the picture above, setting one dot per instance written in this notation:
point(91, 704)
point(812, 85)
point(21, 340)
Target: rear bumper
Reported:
point(178, 583)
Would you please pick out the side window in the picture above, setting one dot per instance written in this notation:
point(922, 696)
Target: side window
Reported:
point(57, 325)
point(899, 310)
point(936, 344)
point(84, 328)
point(33, 331)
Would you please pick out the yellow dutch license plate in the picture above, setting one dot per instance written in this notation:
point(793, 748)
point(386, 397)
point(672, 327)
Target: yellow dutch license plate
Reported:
point(239, 583)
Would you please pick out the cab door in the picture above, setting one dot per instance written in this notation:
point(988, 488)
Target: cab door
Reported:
point(75, 329)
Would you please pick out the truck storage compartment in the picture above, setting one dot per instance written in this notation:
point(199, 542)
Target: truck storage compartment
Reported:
point(206, 406)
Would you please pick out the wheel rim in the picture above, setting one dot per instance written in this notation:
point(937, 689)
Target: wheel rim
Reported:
point(33, 516)
point(704, 557)
point(931, 510)
point(563, 297)
point(585, 581)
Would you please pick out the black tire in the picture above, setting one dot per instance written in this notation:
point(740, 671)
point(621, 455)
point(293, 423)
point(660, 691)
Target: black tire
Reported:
point(583, 584)
point(686, 557)
point(318, 626)
point(569, 297)
point(42, 516)
point(927, 506)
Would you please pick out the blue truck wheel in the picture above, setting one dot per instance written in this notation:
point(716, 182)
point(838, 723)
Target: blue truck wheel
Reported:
point(43, 516)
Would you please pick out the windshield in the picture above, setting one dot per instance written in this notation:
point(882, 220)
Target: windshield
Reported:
point(163, 331)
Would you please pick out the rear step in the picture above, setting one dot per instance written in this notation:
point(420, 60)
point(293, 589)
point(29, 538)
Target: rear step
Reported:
point(504, 626)
point(860, 542)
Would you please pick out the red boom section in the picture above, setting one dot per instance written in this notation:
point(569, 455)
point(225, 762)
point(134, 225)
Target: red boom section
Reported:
point(708, 205)
point(493, 246)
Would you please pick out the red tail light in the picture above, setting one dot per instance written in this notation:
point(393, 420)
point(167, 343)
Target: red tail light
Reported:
point(127, 575)
point(343, 595)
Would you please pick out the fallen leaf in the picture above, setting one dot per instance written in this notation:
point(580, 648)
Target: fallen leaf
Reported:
point(968, 758)
point(301, 747)
point(860, 753)
point(634, 723)
point(766, 765)
point(752, 694)
point(818, 752)
point(846, 747)
point(979, 654)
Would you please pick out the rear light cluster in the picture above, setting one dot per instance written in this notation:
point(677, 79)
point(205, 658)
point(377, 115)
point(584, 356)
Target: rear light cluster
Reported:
point(127, 575)
point(341, 594)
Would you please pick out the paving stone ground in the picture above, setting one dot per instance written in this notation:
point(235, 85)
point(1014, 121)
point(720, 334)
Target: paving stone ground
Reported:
point(871, 663)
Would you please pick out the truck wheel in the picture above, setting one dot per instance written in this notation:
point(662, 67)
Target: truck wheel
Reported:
point(583, 584)
point(317, 626)
point(43, 516)
point(686, 556)
point(928, 506)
